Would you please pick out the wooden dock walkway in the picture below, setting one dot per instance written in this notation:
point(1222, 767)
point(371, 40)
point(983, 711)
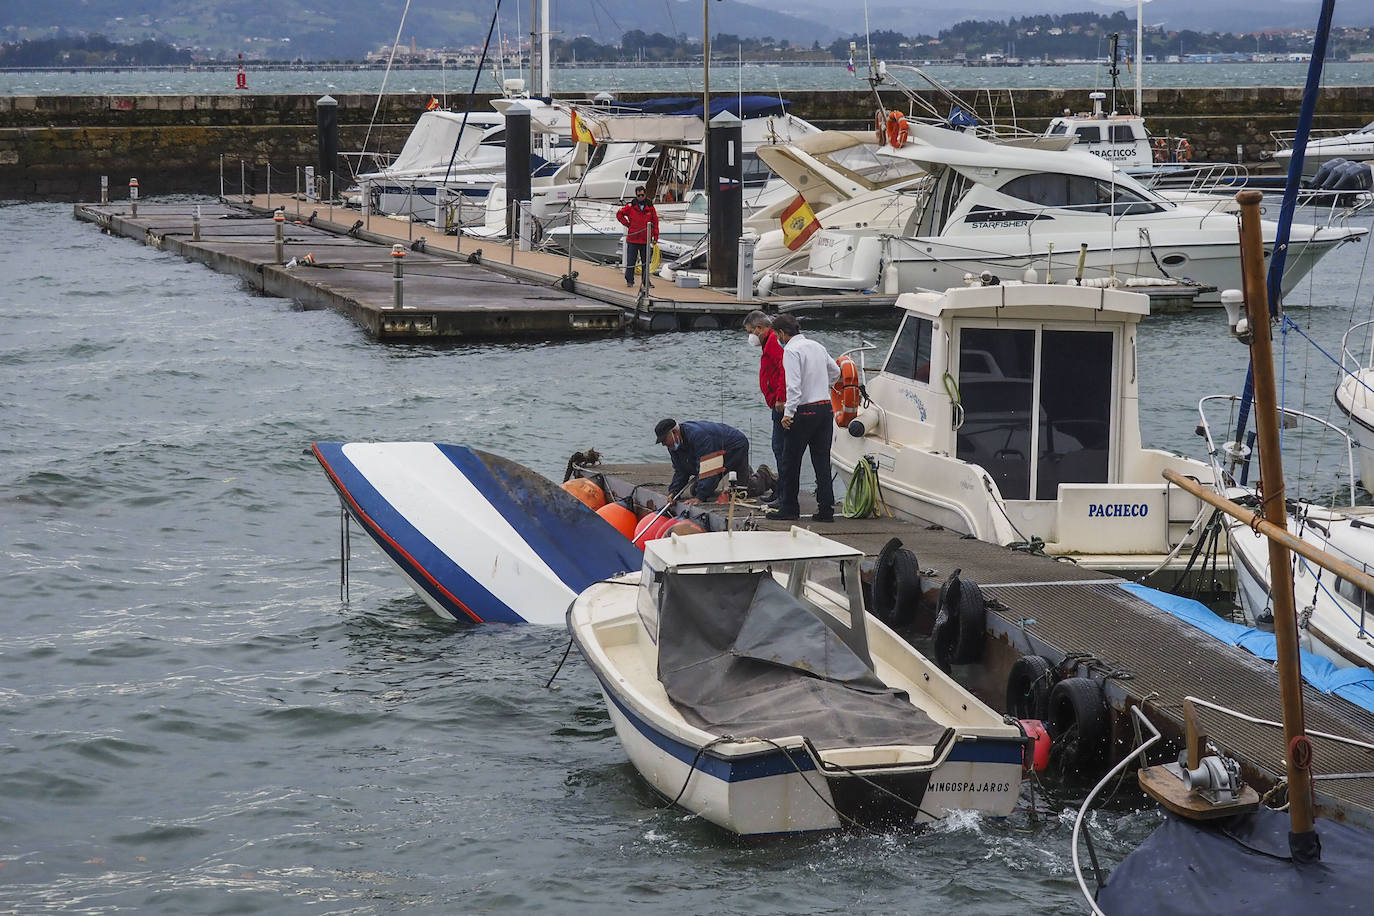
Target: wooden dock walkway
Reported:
point(455, 288)
point(1084, 622)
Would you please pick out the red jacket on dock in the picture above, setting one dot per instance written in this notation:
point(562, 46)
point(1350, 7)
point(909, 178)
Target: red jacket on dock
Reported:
point(772, 382)
point(637, 219)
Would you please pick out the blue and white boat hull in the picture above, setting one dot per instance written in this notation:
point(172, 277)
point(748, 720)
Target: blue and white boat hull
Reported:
point(478, 537)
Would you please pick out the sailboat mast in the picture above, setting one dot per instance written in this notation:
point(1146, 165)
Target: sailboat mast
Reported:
point(1298, 751)
point(1139, 43)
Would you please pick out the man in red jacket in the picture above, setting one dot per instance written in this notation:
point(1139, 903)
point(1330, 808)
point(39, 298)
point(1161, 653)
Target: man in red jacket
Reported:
point(772, 383)
point(640, 220)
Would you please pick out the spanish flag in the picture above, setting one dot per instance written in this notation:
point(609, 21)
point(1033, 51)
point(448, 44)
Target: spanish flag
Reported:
point(433, 104)
point(798, 223)
point(580, 133)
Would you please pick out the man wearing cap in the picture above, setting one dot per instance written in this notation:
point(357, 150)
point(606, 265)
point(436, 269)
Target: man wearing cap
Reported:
point(706, 450)
point(807, 417)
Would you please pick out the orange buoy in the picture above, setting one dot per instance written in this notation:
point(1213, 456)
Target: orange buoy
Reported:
point(846, 394)
point(653, 527)
point(591, 495)
point(897, 129)
point(619, 518)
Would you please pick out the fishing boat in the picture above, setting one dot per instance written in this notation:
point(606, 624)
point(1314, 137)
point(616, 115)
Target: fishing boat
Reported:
point(479, 537)
point(1009, 412)
point(1007, 210)
point(748, 685)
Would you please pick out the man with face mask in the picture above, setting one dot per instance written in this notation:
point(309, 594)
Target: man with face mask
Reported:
point(709, 451)
point(772, 382)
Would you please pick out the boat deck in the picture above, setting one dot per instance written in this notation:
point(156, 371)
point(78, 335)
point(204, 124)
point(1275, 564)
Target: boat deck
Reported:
point(1148, 658)
point(454, 288)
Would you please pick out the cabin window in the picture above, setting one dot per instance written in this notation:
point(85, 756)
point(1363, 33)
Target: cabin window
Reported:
point(996, 387)
point(956, 186)
point(1358, 597)
point(1075, 414)
point(1052, 189)
point(1089, 135)
point(754, 170)
point(498, 138)
point(1030, 448)
point(1078, 192)
point(1058, 129)
point(910, 354)
point(1122, 133)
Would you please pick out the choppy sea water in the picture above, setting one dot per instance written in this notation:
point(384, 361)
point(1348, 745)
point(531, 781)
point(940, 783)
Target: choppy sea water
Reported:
point(726, 76)
point(194, 722)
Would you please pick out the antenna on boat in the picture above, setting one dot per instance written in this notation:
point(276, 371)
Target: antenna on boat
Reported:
point(1139, 50)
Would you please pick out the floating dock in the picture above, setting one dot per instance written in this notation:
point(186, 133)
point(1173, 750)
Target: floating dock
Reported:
point(1087, 625)
point(453, 287)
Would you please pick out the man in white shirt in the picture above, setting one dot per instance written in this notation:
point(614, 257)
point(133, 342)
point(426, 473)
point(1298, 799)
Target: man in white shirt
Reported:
point(807, 419)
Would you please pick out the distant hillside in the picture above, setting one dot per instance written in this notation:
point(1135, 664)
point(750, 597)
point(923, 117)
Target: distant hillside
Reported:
point(348, 29)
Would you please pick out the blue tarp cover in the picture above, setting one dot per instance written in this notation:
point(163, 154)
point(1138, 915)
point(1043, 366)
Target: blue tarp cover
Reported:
point(1240, 865)
point(1353, 684)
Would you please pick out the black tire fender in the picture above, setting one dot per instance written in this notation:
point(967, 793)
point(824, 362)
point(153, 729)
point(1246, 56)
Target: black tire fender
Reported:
point(1078, 706)
point(885, 582)
point(961, 624)
point(1028, 687)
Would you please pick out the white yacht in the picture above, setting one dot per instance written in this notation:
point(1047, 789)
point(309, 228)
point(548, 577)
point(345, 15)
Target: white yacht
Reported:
point(1010, 412)
point(1355, 398)
point(1005, 210)
point(1355, 145)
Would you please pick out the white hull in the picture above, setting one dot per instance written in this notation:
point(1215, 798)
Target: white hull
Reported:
point(822, 755)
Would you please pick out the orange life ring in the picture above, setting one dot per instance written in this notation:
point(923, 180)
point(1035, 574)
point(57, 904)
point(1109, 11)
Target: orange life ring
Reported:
point(896, 128)
point(846, 393)
point(881, 124)
point(1185, 150)
point(1161, 150)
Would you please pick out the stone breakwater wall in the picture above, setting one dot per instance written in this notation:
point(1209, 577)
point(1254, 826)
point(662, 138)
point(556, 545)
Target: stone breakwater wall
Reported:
point(57, 147)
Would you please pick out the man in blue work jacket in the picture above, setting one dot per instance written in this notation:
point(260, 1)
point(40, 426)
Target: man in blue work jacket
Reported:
point(709, 451)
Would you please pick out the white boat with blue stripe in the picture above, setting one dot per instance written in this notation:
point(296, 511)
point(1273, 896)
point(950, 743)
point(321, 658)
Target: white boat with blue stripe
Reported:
point(478, 537)
point(749, 686)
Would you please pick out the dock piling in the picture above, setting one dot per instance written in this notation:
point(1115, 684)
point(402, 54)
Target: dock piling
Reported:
point(133, 197)
point(279, 248)
point(195, 225)
point(398, 254)
point(104, 190)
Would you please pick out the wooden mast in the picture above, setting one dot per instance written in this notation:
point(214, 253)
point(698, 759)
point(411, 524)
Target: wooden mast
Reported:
point(1297, 749)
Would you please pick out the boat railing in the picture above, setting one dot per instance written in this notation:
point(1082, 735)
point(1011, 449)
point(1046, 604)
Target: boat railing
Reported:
point(1202, 178)
point(1351, 364)
point(1082, 816)
point(1283, 139)
point(1237, 454)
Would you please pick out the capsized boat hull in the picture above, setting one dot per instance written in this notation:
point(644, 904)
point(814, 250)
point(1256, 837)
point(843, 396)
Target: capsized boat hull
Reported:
point(479, 537)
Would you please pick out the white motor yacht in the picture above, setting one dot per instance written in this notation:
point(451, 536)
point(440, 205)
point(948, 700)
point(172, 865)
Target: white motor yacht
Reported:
point(988, 207)
point(1010, 412)
point(1355, 398)
point(1323, 146)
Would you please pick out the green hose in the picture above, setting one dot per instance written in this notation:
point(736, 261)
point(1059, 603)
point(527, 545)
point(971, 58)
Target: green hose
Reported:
point(861, 496)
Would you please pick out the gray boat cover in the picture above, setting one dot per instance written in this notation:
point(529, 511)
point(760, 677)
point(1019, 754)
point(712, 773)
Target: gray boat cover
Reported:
point(740, 656)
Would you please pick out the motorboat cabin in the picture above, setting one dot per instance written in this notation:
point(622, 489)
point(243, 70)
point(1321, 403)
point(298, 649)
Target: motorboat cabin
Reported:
point(1010, 412)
